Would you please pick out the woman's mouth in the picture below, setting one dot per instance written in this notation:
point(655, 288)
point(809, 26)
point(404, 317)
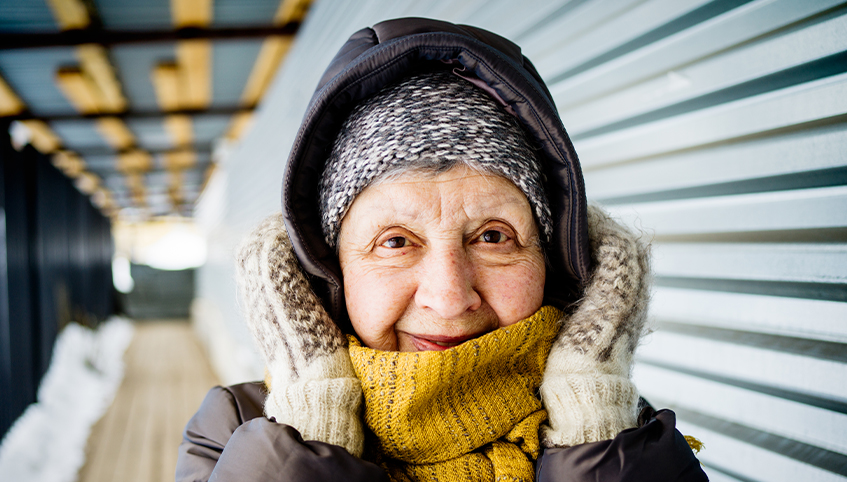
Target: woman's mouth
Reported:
point(437, 342)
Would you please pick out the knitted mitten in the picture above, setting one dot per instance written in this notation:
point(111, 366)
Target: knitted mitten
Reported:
point(314, 388)
point(586, 386)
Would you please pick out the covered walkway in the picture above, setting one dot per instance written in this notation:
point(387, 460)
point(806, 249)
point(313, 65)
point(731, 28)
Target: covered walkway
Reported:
point(167, 375)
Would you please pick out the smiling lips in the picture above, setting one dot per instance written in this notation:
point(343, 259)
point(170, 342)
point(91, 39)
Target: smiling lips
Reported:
point(439, 343)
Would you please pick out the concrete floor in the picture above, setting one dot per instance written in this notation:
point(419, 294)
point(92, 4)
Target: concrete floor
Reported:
point(167, 375)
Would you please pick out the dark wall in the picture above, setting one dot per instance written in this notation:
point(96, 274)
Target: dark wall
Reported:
point(159, 293)
point(55, 266)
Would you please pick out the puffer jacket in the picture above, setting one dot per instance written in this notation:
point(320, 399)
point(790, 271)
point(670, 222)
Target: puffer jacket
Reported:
point(229, 439)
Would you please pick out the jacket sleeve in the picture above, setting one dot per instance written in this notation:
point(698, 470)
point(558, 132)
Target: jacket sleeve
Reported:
point(217, 446)
point(654, 452)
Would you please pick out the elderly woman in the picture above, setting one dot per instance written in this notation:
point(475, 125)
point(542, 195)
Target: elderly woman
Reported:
point(436, 300)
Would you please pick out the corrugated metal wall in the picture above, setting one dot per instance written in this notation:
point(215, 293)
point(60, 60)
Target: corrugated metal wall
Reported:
point(717, 127)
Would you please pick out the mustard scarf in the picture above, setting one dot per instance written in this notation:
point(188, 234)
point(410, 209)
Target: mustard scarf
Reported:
point(467, 413)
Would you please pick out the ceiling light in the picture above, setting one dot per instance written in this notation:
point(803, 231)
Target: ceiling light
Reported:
point(191, 13)
point(10, 103)
point(116, 133)
point(69, 163)
point(69, 14)
point(180, 129)
point(165, 79)
point(79, 89)
point(134, 162)
point(95, 63)
point(195, 59)
point(87, 183)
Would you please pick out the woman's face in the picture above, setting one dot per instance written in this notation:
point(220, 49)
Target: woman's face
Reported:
point(430, 261)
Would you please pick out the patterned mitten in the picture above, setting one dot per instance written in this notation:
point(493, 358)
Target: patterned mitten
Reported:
point(586, 386)
point(314, 388)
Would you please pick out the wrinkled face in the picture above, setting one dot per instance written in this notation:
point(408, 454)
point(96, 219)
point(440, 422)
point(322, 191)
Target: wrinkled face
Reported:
point(430, 261)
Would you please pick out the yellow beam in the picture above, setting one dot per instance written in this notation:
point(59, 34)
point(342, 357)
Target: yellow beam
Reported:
point(179, 160)
point(175, 179)
point(135, 180)
point(176, 162)
point(291, 11)
point(10, 103)
point(103, 199)
point(165, 79)
point(116, 133)
point(41, 136)
point(180, 129)
point(194, 58)
point(87, 183)
point(270, 56)
point(175, 189)
point(192, 88)
point(69, 163)
point(79, 89)
point(134, 162)
point(191, 13)
point(69, 14)
point(95, 63)
point(139, 197)
point(135, 183)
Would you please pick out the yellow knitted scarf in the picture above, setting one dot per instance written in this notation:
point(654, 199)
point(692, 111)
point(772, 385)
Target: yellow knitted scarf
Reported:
point(467, 413)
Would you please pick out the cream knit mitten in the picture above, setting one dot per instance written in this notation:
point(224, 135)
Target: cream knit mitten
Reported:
point(586, 386)
point(314, 388)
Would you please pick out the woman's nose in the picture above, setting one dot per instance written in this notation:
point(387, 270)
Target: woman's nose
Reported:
point(446, 283)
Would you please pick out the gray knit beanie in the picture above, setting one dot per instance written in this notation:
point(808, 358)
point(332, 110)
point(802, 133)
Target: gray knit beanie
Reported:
point(428, 122)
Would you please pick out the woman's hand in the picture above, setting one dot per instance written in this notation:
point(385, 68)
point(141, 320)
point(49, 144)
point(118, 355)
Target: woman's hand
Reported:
point(313, 386)
point(586, 387)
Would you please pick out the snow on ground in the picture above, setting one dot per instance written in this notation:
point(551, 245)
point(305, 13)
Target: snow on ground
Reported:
point(47, 442)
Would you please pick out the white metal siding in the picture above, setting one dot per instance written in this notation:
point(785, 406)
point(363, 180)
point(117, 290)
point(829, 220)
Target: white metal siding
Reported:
point(716, 127)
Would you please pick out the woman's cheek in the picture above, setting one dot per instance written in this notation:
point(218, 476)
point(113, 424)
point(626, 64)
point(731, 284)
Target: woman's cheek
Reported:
point(516, 293)
point(374, 303)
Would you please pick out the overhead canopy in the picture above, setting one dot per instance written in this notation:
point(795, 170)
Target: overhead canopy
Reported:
point(132, 97)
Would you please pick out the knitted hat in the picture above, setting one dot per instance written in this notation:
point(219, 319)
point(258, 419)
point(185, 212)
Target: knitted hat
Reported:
point(428, 122)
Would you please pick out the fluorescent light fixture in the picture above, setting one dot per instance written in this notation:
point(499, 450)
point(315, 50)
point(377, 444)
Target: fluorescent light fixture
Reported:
point(181, 248)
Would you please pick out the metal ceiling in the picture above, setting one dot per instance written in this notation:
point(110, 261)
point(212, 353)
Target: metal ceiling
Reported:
point(131, 97)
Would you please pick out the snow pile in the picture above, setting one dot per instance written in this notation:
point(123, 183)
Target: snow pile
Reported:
point(47, 443)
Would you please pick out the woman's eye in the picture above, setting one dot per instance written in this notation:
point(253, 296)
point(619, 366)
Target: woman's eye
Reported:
point(396, 242)
point(492, 236)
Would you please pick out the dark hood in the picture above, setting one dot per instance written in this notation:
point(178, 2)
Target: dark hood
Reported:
point(375, 57)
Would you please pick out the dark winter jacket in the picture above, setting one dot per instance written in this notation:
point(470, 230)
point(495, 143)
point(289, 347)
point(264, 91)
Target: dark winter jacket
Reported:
point(229, 439)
